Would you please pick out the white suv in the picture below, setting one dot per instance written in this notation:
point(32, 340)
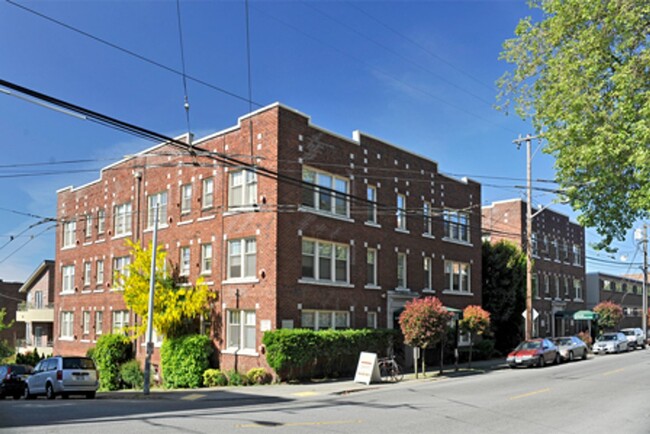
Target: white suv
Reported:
point(63, 376)
point(634, 337)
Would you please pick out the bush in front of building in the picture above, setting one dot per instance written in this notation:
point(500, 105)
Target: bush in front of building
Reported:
point(131, 374)
point(184, 360)
point(236, 379)
point(31, 358)
point(111, 351)
point(297, 354)
point(214, 378)
point(259, 376)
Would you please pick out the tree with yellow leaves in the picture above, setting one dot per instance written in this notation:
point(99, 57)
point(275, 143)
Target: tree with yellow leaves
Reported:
point(177, 304)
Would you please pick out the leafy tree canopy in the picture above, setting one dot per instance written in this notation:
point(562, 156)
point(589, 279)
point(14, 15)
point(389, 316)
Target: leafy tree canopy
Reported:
point(175, 301)
point(610, 314)
point(5, 349)
point(582, 75)
point(475, 320)
point(424, 322)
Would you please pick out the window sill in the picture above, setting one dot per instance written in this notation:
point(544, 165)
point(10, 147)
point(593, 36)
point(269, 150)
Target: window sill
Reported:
point(238, 352)
point(402, 231)
point(66, 338)
point(401, 289)
point(240, 280)
point(578, 300)
point(325, 283)
point(450, 292)
point(241, 210)
point(185, 222)
point(98, 290)
point(88, 243)
point(429, 236)
point(85, 341)
point(459, 242)
point(372, 225)
point(207, 217)
point(428, 291)
point(160, 227)
point(86, 291)
point(68, 247)
point(326, 214)
point(373, 287)
point(120, 236)
point(66, 293)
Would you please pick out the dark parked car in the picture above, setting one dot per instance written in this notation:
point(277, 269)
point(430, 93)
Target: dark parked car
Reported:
point(535, 352)
point(571, 348)
point(12, 380)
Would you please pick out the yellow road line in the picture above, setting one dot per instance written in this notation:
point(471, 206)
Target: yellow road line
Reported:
point(292, 424)
point(614, 371)
point(525, 395)
point(193, 397)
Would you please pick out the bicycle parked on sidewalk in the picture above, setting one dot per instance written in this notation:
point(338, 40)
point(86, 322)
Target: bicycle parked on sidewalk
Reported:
point(389, 369)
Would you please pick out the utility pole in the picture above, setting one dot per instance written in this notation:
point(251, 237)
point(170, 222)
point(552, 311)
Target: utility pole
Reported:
point(152, 284)
point(529, 233)
point(644, 301)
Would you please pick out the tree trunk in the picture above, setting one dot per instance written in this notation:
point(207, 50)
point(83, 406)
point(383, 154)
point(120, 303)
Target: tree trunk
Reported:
point(415, 361)
point(424, 366)
point(442, 355)
point(471, 346)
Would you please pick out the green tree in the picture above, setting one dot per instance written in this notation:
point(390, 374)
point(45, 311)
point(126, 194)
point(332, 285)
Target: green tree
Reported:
point(610, 314)
point(476, 322)
point(424, 323)
point(581, 75)
point(176, 304)
point(5, 349)
point(504, 292)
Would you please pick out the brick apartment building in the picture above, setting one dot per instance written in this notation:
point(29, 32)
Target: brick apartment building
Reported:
point(326, 232)
point(558, 249)
point(626, 291)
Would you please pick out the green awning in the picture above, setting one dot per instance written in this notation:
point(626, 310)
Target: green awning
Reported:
point(585, 315)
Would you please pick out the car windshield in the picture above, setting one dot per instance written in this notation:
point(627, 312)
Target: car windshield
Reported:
point(78, 363)
point(628, 332)
point(563, 341)
point(606, 338)
point(532, 345)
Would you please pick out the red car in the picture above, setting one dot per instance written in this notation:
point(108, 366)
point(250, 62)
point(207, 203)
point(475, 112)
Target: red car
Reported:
point(535, 352)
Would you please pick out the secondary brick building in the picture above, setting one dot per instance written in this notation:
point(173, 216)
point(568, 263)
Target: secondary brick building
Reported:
point(324, 232)
point(558, 249)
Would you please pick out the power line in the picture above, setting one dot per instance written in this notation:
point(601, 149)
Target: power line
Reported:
point(186, 104)
point(32, 238)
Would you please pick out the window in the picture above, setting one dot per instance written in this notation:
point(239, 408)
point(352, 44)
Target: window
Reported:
point(371, 267)
point(101, 221)
point(67, 272)
point(186, 198)
point(206, 258)
point(69, 238)
point(401, 271)
point(606, 285)
point(242, 189)
point(533, 244)
point(87, 273)
point(556, 284)
point(426, 212)
point(122, 219)
point(371, 321)
point(457, 276)
point(241, 330)
point(564, 249)
point(545, 245)
point(428, 274)
point(325, 261)
point(120, 270)
point(567, 289)
point(120, 320)
point(401, 212)
point(547, 285)
point(38, 299)
point(86, 322)
point(329, 195)
point(535, 286)
point(324, 319)
point(159, 200)
point(242, 258)
point(577, 287)
point(577, 255)
point(371, 196)
point(456, 225)
point(208, 193)
point(100, 272)
point(184, 261)
point(555, 254)
point(99, 322)
point(67, 322)
point(89, 225)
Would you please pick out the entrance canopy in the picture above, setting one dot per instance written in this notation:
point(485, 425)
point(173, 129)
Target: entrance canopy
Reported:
point(585, 315)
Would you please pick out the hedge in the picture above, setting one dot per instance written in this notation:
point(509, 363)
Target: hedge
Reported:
point(301, 354)
point(110, 352)
point(184, 359)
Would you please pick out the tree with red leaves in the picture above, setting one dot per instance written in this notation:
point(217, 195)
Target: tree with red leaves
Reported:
point(476, 321)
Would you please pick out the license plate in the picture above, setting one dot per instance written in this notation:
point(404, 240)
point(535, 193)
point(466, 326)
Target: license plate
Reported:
point(517, 360)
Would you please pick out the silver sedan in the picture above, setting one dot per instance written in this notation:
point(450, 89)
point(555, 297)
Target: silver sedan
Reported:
point(571, 348)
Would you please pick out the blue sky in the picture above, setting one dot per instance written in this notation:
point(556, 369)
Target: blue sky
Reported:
point(419, 75)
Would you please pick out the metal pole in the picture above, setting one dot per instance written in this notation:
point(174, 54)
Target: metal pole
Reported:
point(644, 301)
point(529, 243)
point(152, 284)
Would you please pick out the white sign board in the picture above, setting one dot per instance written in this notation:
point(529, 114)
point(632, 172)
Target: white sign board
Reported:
point(535, 314)
point(367, 369)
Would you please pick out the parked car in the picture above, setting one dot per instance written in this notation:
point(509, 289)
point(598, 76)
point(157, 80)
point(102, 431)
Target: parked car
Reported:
point(610, 343)
point(535, 352)
point(63, 376)
point(634, 337)
point(12, 380)
point(571, 348)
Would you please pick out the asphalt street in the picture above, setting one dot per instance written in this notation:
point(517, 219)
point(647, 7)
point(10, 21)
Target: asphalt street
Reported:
point(603, 394)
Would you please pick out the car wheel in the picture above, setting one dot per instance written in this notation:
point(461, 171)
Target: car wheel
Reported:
point(49, 392)
point(584, 354)
point(17, 395)
point(65, 396)
point(27, 395)
point(541, 362)
point(557, 359)
point(570, 356)
point(90, 395)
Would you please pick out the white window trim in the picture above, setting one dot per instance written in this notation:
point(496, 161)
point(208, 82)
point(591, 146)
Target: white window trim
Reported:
point(230, 349)
point(317, 279)
point(248, 191)
point(332, 313)
point(449, 282)
point(246, 275)
point(331, 191)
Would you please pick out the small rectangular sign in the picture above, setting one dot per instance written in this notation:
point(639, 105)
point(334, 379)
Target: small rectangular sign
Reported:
point(367, 369)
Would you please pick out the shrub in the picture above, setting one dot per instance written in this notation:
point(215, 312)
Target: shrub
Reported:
point(110, 352)
point(258, 376)
point(184, 360)
point(301, 353)
point(32, 358)
point(586, 338)
point(214, 377)
point(132, 375)
point(90, 352)
point(236, 379)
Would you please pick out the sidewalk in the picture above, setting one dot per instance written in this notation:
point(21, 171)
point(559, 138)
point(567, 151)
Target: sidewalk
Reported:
point(301, 390)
